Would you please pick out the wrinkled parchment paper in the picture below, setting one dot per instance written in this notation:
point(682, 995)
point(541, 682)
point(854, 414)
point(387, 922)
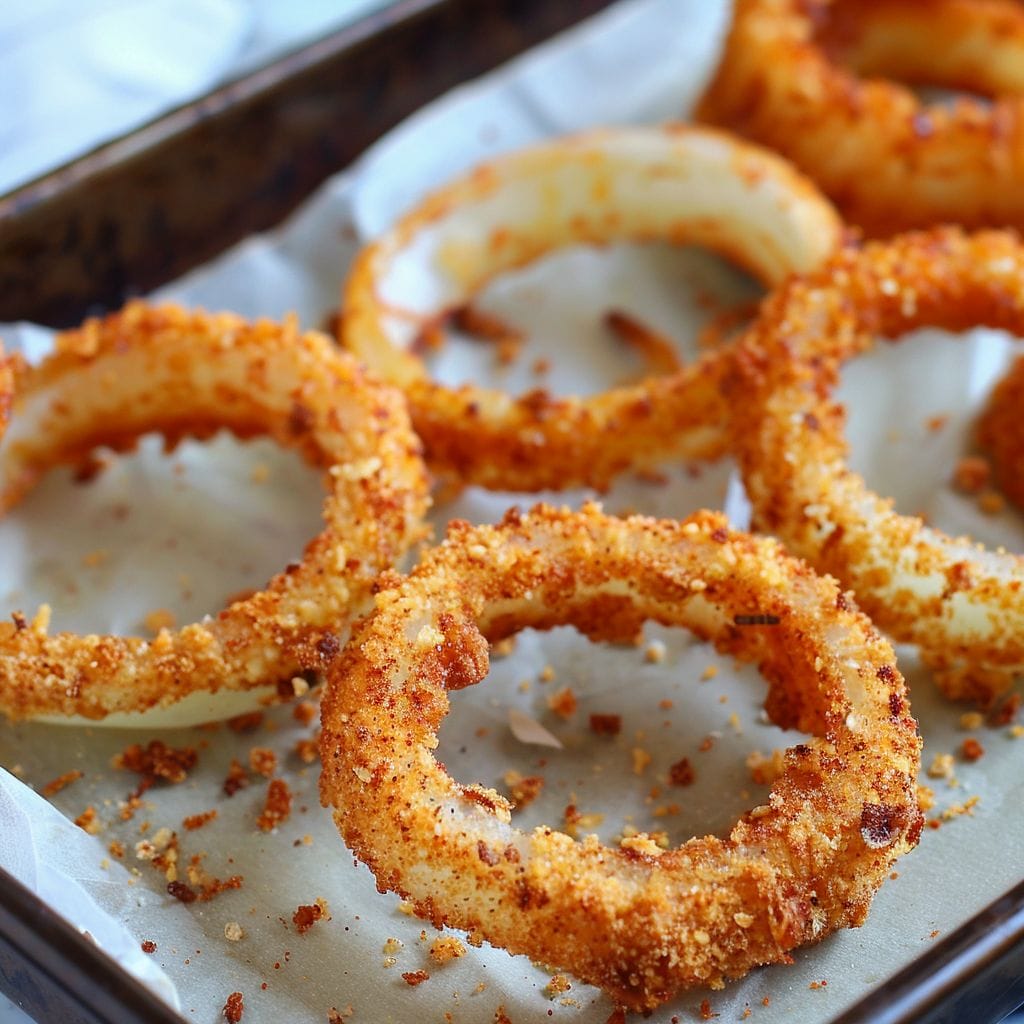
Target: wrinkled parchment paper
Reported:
point(184, 532)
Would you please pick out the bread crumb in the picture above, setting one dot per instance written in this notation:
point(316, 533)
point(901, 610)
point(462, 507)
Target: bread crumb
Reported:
point(942, 767)
point(558, 985)
point(681, 773)
point(971, 749)
point(54, 786)
point(655, 653)
point(523, 789)
point(709, 673)
point(277, 807)
point(445, 948)
point(263, 761)
point(971, 474)
point(414, 978)
point(234, 1008)
point(971, 720)
point(991, 503)
point(606, 725)
point(194, 821)
point(234, 932)
point(641, 759)
point(563, 702)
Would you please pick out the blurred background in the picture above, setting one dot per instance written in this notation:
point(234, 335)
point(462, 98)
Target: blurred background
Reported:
point(74, 74)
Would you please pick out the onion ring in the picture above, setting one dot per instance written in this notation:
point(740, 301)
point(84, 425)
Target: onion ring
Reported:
point(1000, 432)
point(160, 369)
point(889, 161)
point(637, 921)
point(675, 183)
point(963, 605)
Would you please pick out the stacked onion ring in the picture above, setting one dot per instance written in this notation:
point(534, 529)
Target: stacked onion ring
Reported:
point(1000, 432)
point(638, 921)
point(962, 604)
point(791, 78)
point(160, 369)
point(677, 184)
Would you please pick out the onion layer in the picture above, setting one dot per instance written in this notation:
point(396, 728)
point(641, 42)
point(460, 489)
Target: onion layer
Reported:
point(814, 79)
point(640, 922)
point(160, 369)
point(962, 604)
point(678, 184)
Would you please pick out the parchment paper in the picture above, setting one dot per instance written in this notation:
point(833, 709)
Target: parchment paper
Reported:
point(185, 532)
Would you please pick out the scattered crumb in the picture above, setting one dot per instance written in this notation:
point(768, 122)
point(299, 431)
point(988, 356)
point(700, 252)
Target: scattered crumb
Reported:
point(308, 750)
point(655, 652)
point(606, 725)
point(971, 474)
point(563, 702)
point(941, 767)
point(658, 352)
point(445, 948)
point(575, 820)
point(641, 759)
point(815, 985)
point(667, 704)
point(54, 786)
point(706, 744)
point(148, 946)
point(307, 915)
point(158, 760)
point(194, 821)
point(540, 366)
point(501, 1017)
point(971, 720)
point(278, 805)
point(263, 761)
point(971, 749)
point(234, 932)
point(558, 985)
point(260, 473)
point(958, 810)
point(234, 1008)
point(547, 674)
point(523, 789)
point(336, 1016)
point(236, 779)
point(709, 673)
point(681, 773)
point(705, 1010)
point(89, 821)
point(181, 892)
point(414, 978)
point(935, 423)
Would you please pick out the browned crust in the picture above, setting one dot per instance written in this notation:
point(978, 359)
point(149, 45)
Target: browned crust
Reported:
point(641, 924)
point(813, 79)
point(185, 373)
point(962, 604)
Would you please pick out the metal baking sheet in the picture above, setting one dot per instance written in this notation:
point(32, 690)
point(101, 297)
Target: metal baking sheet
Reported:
point(344, 962)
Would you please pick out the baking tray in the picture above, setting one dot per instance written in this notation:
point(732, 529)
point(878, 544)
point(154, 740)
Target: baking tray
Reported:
point(144, 209)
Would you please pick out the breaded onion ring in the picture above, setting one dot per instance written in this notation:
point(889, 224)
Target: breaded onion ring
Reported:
point(677, 184)
point(640, 922)
point(189, 375)
point(791, 78)
point(1000, 432)
point(962, 604)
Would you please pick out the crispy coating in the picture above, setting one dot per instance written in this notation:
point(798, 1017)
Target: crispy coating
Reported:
point(827, 83)
point(190, 374)
point(962, 604)
point(638, 921)
point(1000, 431)
point(672, 183)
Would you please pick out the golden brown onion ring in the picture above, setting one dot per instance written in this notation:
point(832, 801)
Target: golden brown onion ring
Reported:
point(962, 604)
point(791, 78)
point(640, 922)
point(678, 184)
point(1000, 432)
point(161, 369)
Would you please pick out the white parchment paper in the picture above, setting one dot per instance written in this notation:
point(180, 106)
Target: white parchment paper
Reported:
point(185, 532)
